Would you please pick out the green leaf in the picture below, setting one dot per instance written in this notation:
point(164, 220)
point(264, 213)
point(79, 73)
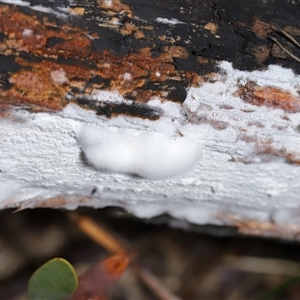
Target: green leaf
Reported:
point(56, 280)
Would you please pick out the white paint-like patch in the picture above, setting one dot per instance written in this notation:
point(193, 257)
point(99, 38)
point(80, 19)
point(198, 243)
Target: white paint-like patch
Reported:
point(8, 189)
point(107, 96)
point(274, 76)
point(27, 32)
point(42, 9)
point(48, 10)
point(149, 154)
point(44, 153)
point(90, 37)
point(115, 21)
point(39, 8)
point(59, 76)
point(127, 76)
point(157, 74)
point(107, 3)
point(168, 21)
point(16, 2)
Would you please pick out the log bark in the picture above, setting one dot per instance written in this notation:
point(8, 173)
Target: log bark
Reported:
point(223, 73)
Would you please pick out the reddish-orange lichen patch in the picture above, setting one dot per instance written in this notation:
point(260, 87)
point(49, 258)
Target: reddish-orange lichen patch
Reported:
point(260, 228)
point(212, 27)
point(41, 85)
point(139, 34)
point(38, 82)
point(130, 72)
point(260, 28)
point(5, 110)
point(252, 227)
point(59, 201)
point(27, 33)
point(202, 60)
point(194, 79)
point(269, 96)
point(128, 28)
point(79, 11)
point(261, 53)
point(34, 88)
point(115, 6)
point(267, 148)
point(293, 158)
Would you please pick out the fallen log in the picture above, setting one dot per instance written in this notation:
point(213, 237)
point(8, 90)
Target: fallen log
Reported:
point(185, 108)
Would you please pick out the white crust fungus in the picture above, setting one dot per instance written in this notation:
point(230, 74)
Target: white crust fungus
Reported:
point(151, 155)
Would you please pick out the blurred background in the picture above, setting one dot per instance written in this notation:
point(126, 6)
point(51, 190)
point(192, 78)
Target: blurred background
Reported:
point(191, 262)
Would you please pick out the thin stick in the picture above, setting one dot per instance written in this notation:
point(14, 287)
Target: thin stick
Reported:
point(263, 265)
point(100, 235)
point(290, 37)
point(110, 242)
point(153, 283)
point(284, 49)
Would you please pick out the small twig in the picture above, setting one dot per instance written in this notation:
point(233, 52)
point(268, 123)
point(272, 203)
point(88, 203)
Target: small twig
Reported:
point(290, 37)
point(109, 241)
point(263, 265)
point(100, 235)
point(199, 268)
point(284, 49)
point(153, 283)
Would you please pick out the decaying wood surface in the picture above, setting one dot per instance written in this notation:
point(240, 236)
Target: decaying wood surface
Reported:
point(165, 46)
point(53, 54)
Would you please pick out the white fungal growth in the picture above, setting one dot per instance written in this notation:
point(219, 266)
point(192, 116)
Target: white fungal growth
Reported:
point(168, 21)
point(39, 8)
point(127, 76)
point(16, 2)
point(149, 154)
point(27, 32)
point(8, 189)
point(107, 3)
point(59, 76)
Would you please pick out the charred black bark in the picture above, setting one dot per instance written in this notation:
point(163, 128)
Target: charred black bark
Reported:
point(165, 46)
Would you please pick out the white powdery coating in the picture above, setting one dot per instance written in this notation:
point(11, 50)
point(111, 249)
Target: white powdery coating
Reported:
point(16, 2)
point(107, 96)
point(127, 76)
point(59, 76)
point(8, 189)
point(107, 3)
point(151, 155)
point(27, 32)
point(39, 8)
point(218, 191)
point(168, 21)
